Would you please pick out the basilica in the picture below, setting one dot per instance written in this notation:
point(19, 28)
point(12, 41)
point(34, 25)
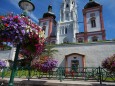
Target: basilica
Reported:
point(66, 30)
point(83, 49)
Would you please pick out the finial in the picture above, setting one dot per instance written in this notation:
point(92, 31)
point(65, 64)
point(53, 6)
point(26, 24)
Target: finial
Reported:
point(49, 8)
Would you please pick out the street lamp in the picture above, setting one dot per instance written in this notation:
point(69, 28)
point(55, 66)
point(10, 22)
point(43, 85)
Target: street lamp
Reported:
point(26, 6)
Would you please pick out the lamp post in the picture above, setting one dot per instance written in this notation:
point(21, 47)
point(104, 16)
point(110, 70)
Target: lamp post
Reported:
point(26, 6)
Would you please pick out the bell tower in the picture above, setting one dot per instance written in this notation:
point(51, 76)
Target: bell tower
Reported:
point(48, 24)
point(67, 26)
point(93, 23)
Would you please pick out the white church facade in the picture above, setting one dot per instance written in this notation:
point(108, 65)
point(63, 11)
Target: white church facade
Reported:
point(67, 26)
point(88, 50)
point(66, 30)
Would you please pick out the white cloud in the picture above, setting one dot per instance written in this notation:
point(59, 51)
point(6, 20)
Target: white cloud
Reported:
point(15, 3)
point(33, 17)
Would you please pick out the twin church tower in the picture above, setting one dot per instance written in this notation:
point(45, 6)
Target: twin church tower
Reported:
point(66, 30)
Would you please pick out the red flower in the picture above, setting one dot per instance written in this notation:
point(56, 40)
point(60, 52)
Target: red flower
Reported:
point(15, 17)
point(1, 17)
point(6, 24)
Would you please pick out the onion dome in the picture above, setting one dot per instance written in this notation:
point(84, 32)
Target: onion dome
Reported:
point(49, 13)
point(91, 4)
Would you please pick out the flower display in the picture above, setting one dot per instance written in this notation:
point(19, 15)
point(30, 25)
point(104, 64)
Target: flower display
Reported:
point(109, 63)
point(2, 64)
point(33, 43)
point(20, 29)
point(12, 28)
point(44, 64)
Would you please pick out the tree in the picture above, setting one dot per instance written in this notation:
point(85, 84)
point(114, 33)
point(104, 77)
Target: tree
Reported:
point(49, 51)
point(109, 63)
point(45, 62)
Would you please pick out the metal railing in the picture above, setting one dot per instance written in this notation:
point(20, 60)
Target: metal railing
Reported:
point(60, 73)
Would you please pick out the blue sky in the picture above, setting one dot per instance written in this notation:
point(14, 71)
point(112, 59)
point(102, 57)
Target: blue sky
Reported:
point(41, 7)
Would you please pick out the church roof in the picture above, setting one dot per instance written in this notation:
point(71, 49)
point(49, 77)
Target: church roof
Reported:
point(91, 4)
point(49, 13)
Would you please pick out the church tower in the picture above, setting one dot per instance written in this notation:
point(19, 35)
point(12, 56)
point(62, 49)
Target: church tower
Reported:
point(93, 23)
point(67, 26)
point(48, 24)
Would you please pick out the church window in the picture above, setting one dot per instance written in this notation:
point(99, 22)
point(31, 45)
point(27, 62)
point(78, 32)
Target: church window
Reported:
point(94, 39)
point(44, 29)
point(92, 14)
point(67, 16)
point(65, 30)
point(93, 22)
point(72, 2)
point(61, 15)
point(60, 32)
point(65, 40)
point(71, 15)
point(67, 6)
point(80, 40)
point(44, 23)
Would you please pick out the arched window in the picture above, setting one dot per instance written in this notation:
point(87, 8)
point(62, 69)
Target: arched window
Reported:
point(65, 40)
point(71, 15)
point(67, 6)
point(93, 22)
point(80, 40)
point(44, 28)
point(67, 16)
point(94, 38)
point(65, 30)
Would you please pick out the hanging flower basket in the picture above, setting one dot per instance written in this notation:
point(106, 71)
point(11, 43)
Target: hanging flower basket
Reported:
point(20, 29)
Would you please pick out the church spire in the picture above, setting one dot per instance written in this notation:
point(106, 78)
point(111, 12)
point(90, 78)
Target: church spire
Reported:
point(49, 8)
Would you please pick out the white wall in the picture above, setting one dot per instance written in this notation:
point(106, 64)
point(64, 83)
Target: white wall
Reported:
point(98, 26)
point(94, 53)
point(90, 38)
point(47, 27)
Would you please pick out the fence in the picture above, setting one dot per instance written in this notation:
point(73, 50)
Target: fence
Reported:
point(60, 73)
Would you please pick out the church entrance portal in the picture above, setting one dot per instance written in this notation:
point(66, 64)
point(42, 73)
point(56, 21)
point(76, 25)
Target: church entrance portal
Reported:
point(74, 61)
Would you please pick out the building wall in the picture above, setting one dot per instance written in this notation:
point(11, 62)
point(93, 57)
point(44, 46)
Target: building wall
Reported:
point(98, 26)
point(77, 58)
point(90, 38)
point(47, 27)
point(68, 19)
point(5, 55)
point(94, 53)
point(62, 34)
